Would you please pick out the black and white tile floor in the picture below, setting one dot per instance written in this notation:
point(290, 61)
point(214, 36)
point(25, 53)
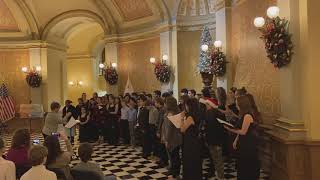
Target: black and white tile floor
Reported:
point(126, 162)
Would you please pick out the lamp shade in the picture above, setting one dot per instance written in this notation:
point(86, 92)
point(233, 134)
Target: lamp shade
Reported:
point(101, 66)
point(204, 47)
point(217, 44)
point(152, 60)
point(273, 12)
point(71, 83)
point(165, 57)
point(114, 65)
point(38, 68)
point(24, 69)
point(259, 22)
point(80, 83)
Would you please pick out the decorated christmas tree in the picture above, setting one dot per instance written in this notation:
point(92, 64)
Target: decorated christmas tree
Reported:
point(205, 62)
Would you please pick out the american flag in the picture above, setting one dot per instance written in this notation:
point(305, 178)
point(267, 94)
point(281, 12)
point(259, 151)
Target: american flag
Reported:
point(7, 110)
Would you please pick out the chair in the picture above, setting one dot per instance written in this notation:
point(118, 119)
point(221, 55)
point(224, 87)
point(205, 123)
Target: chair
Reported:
point(84, 175)
point(59, 172)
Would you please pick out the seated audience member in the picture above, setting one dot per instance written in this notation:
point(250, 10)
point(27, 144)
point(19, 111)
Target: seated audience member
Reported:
point(53, 120)
point(38, 156)
point(7, 168)
point(85, 152)
point(18, 153)
point(58, 159)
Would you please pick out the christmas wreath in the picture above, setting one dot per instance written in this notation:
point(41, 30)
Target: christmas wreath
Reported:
point(111, 75)
point(33, 79)
point(277, 39)
point(162, 72)
point(219, 63)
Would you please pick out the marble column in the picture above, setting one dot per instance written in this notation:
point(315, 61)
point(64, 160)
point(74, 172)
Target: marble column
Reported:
point(35, 60)
point(168, 46)
point(54, 77)
point(223, 33)
point(111, 50)
point(291, 125)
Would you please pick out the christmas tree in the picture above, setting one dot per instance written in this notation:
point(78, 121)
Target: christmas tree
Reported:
point(205, 61)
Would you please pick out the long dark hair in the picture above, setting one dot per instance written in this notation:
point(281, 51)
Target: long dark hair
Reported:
point(221, 96)
point(21, 138)
point(247, 105)
point(172, 105)
point(54, 149)
point(193, 109)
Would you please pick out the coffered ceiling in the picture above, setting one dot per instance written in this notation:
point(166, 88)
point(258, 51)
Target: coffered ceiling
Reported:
point(133, 10)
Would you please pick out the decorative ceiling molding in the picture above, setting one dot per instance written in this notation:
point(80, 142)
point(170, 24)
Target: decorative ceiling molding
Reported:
point(31, 44)
point(219, 4)
point(80, 14)
point(7, 21)
point(27, 25)
point(109, 18)
point(133, 10)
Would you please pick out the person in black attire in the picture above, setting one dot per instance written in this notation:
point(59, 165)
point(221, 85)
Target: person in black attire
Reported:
point(215, 137)
point(84, 118)
point(161, 148)
point(113, 127)
point(192, 162)
point(143, 124)
point(246, 142)
point(184, 91)
point(79, 106)
point(69, 108)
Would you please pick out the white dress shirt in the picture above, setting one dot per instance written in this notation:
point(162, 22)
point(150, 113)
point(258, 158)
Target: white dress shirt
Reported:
point(7, 170)
point(39, 172)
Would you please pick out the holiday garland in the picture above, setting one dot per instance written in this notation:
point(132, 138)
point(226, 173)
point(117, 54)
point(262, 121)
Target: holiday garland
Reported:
point(33, 79)
point(219, 63)
point(111, 75)
point(162, 72)
point(278, 42)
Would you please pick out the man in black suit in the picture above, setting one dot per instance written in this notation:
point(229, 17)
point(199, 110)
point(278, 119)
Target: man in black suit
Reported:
point(71, 111)
point(143, 124)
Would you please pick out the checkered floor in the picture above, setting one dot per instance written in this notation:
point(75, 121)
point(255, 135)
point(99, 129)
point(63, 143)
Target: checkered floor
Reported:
point(126, 162)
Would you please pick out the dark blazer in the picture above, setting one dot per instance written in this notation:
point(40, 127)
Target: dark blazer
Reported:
point(71, 109)
point(143, 117)
point(215, 130)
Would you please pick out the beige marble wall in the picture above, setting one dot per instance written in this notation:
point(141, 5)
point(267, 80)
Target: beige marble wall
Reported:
point(11, 62)
point(188, 58)
point(251, 67)
point(134, 60)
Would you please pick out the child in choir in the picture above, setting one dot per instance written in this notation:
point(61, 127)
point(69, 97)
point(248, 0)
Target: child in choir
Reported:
point(132, 118)
point(143, 124)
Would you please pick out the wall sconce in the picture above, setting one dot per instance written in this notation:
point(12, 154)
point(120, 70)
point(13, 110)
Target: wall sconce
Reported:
point(114, 65)
point(217, 44)
point(77, 83)
point(153, 60)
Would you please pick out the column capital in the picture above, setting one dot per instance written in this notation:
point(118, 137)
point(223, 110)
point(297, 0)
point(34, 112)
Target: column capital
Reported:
point(220, 4)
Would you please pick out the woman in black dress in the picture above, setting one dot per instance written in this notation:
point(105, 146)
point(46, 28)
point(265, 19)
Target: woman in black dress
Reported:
point(248, 165)
point(113, 110)
point(192, 163)
point(84, 118)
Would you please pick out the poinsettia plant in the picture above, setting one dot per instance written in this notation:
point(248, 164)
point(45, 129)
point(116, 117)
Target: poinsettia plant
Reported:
point(162, 72)
point(111, 75)
point(33, 78)
point(277, 39)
